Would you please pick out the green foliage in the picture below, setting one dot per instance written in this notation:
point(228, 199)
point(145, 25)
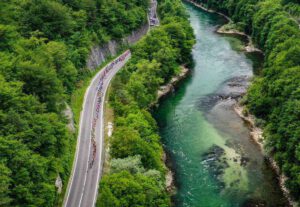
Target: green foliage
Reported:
point(127, 142)
point(274, 97)
point(137, 175)
point(34, 145)
point(154, 61)
point(5, 181)
point(34, 76)
point(50, 17)
point(130, 164)
point(126, 190)
point(43, 49)
point(8, 34)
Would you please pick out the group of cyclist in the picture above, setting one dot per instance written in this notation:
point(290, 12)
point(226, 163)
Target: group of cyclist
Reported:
point(99, 100)
point(152, 14)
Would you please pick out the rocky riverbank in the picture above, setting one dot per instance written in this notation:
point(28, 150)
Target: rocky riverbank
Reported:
point(169, 177)
point(201, 6)
point(223, 29)
point(256, 132)
point(257, 136)
point(161, 93)
point(170, 87)
point(249, 47)
point(233, 90)
point(230, 94)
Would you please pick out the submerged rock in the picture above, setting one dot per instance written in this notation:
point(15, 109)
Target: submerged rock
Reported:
point(214, 152)
point(254, 203)
point(215, 163)
point(234, 87)
point(244, 161)
point(231, 89)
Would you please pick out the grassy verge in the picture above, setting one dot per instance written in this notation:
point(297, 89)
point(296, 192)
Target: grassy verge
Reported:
point(108, 117)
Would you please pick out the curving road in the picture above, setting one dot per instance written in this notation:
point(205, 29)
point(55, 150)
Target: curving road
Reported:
point(83, 185)
point(87, 167)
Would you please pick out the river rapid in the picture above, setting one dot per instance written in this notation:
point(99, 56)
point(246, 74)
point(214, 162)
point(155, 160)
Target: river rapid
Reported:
point(215, 161)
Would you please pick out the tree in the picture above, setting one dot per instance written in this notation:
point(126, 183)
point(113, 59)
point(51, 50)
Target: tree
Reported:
point(131, 164)
point(56, 56)
point(44, 46)
point(8, 35)
point(49, 17)
point(42, 82)
point(5, 182)
point(126, 190)
point(127, 142)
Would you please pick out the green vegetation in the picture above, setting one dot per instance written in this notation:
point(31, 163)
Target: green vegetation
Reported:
point(232, 27)
point(44, 45)
point(137, 174)
point(274, 96)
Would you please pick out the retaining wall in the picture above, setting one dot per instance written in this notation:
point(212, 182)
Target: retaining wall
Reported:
point(99, 53)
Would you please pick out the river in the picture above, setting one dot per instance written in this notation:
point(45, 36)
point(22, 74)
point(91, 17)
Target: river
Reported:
point(215, 161)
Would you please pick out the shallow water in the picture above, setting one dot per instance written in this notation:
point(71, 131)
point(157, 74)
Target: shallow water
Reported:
point(214, 159)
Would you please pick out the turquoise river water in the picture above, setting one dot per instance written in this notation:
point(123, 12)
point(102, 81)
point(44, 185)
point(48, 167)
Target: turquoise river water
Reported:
point(215, 161)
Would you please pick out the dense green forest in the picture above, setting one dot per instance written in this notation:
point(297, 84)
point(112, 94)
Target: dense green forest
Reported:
point(274, 96)
point(44, 45)
point(137, 171)
point(43, 48)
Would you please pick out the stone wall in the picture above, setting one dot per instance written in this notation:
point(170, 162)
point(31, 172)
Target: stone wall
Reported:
point(99, 53)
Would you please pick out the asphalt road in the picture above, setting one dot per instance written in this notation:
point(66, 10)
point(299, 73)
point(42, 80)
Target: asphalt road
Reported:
point(83, 185)
point(82, 189)
point(153, 18)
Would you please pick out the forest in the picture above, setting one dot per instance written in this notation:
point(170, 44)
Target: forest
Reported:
point(44, 45)
point(274, 96)
point(137, 171)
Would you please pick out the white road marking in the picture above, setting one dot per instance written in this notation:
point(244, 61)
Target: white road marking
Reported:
point(78, 140)
point(70, 183)
point(89, 153)
point(101, 130)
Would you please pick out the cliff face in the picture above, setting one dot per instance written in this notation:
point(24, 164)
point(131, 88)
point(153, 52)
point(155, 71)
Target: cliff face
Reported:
point(99, 53)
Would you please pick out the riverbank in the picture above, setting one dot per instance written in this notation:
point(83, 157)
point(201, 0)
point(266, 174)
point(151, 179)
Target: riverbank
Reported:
point(255, 132)
point(135, 146)
point(196, 119)
point(249, 47)
point(172, 84)
point(163, 92)
point(170, 175)
point(257, 136)
point(201, 6)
